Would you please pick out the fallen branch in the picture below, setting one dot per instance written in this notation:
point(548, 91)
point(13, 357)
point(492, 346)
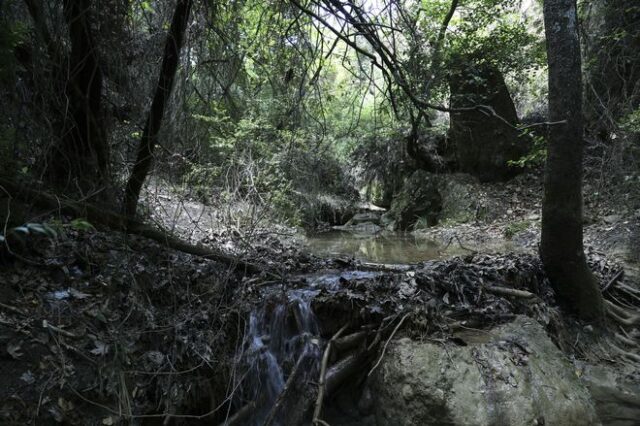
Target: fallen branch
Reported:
point(384, 349)
point(323, 370)
point(612, 280)
point(345, 368)
point(12, 309)
point(512, 292)
point(351, 341)
point(288, 385)
point(386, 267)
point(117, 222)
point(240, 416)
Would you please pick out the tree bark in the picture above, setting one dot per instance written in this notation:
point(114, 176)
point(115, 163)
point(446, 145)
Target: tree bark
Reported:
point(561, 247)
point(149, 139)
point(83, 153)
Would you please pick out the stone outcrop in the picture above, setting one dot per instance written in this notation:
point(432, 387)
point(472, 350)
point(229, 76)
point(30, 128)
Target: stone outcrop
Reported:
point(511, 375)
point(483, 144)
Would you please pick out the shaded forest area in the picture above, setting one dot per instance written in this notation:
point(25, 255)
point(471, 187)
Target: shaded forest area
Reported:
point(327, 212)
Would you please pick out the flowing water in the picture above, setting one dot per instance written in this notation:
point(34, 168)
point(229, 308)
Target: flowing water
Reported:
point(284, 331)
point(277, 338)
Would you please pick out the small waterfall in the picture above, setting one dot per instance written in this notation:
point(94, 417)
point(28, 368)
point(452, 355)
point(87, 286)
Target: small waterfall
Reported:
point(279, 336)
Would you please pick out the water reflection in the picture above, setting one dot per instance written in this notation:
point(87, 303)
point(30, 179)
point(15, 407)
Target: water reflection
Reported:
point(382, 248)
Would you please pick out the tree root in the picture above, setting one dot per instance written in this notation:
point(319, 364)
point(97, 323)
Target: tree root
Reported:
point(621, 315)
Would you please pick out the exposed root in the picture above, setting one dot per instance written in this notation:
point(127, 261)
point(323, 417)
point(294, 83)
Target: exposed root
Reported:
point(622, 315)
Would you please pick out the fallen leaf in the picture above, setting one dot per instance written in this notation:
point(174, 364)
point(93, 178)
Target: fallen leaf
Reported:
point(100, 349)
point(14, 350)
point(78, 294)
point(27, 377)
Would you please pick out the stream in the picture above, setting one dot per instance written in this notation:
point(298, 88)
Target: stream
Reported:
point(395, 248)
point(283, 344)
point(282, 336)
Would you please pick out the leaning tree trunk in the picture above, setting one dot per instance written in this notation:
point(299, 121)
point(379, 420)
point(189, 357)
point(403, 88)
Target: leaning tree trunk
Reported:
point(82, 154)
point(149, 138)
point(561, 247)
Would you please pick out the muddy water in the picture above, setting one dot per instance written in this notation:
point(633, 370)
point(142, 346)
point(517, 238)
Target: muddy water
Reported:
point(386, 248)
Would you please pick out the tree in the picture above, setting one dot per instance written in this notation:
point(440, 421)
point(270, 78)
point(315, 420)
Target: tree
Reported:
point(82, 153)
point(561, 247)
point(149, 138)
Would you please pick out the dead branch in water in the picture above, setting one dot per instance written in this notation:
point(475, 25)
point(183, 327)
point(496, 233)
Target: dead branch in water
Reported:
point(323, 370)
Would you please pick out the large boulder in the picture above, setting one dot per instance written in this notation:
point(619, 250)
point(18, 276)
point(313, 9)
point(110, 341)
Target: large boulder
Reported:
point(511, 375)
point(419, 198)
point(484, 144)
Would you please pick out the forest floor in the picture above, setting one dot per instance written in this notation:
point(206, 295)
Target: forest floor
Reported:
point(103, 328)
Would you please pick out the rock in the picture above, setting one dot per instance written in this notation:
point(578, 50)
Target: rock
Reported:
point(612, 218)
point(371, 217)
point(484, 144)
point(461, 198)
point(367, 228)
point(419, 198)
point(324, 208)
point(616, 397)
point(513, 375)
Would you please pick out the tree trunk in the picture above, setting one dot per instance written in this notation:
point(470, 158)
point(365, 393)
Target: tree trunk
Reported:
point(82, 154)
point(149, 138)
point(561, 246)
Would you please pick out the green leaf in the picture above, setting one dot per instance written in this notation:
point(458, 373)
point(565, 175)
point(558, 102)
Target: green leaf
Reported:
point(81, 224)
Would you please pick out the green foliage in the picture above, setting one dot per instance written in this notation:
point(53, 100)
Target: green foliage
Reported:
point(631, 122)
point(80, 224)
point(537, 154)
point(515, 228)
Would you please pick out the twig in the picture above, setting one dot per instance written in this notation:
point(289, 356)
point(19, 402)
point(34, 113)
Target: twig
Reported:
point(12, 309)
point(612, 280)
point(323, 371)
point(384, 349)
point(58, 330)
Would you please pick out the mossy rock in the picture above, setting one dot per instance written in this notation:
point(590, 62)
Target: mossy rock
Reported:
point(514, 375)
point(419, 198)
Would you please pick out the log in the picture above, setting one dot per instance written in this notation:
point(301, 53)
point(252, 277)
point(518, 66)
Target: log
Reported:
point(352, 364)
point(117, 222)
point(351, 341)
